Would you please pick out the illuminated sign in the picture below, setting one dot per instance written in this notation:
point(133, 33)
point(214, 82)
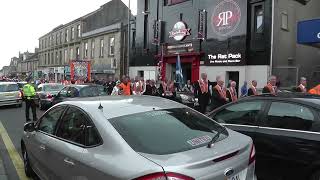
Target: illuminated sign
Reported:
point(179, 31)
point(226, 17)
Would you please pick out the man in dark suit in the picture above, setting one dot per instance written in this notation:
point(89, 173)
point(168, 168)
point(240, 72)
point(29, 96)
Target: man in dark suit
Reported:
point(201, 91)
point(252, 91)
point(219, 97)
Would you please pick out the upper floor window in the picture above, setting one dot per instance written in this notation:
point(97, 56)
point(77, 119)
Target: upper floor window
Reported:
point(72, 33)
point(49, 40)
point(79, 30)
point(66, 56)
point(92, 48)
point(71, 53)
point(101, 47)
point(78, 52)
point(66, 35)
point(111, 46)
point(60, 38)
point(258, 18)
point(86, 49)
point(57, 38)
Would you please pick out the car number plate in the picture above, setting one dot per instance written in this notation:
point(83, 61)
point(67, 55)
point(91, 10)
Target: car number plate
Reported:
point(240, 176)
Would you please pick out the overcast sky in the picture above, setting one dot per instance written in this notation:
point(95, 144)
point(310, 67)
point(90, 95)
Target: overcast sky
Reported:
point(24, 21)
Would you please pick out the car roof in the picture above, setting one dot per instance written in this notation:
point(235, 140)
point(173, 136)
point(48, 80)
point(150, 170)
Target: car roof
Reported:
point(7, 83)
point(115, 106)
point(307, 99)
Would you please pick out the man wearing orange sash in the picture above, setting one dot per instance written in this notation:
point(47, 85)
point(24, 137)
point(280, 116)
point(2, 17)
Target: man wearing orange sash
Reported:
point(219, 96)
point(232, 92)
point(252, 91)
point(271, 87)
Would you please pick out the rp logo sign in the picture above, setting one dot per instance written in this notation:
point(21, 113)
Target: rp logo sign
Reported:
point(226, 17)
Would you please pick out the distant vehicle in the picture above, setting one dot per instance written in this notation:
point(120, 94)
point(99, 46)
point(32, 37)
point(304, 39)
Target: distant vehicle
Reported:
point(74, 91)
point(10, 94)
point(285, 130)
point(45, 94)
point(139, 137)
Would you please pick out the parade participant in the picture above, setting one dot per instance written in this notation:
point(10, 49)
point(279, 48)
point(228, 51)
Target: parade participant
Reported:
point(201, 92)
point(271, 87)
point(302, 86)
point(252, 91)
point(244, 89)
point(188, 87)
point(110, 84)
point(125, 86)
point(232, 92)
point(315, 90)
point(116, 89)
point(29, 93)
point(219, 97)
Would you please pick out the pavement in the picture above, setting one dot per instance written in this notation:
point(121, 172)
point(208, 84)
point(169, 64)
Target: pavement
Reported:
point(12, 120)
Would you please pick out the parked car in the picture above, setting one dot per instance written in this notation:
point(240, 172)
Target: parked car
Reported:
point(10, 94)
point(74, 91)
point(45, 93)
point(285, 130)
point(139, 137)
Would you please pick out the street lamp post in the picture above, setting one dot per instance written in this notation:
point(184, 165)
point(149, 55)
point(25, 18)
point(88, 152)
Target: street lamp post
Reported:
point(128, 48)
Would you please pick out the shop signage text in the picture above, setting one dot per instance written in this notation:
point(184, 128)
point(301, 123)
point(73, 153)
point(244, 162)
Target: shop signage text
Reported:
point(225, 58)
point(180, 31)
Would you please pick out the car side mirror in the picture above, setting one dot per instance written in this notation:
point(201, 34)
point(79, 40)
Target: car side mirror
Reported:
point(29, 127)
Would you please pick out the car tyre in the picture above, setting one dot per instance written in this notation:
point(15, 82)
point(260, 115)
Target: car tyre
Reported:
point(316, 176)
point(27, 166)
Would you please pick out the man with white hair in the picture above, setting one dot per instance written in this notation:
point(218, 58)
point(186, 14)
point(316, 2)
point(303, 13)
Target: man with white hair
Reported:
point(201, 91)
point(302, 86)
point(219, 96)
point(232, 92)
point(271, 87)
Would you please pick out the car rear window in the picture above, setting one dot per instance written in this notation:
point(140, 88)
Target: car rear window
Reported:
point(92, 91)
point(9, 87)
point(53, 87)
point(167, 131)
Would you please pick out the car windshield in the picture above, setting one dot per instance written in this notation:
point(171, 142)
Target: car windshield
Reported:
point(92, 91)
point(52, 87)
point(167, 131)
point(9, 87)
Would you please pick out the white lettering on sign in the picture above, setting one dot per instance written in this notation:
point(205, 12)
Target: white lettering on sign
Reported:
point(224, 18)
point(225, 58)
point(318, 35)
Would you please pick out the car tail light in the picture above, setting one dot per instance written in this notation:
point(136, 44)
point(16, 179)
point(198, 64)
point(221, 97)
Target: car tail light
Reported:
point(164, 176)
point(252, 157)
point(20, 94)
point(49, 95)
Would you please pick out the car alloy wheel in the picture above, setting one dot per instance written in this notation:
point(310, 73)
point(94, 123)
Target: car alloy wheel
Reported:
point(27, 167)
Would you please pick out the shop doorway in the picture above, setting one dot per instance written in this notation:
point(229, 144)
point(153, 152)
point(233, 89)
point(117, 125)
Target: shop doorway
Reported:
point(234, 76)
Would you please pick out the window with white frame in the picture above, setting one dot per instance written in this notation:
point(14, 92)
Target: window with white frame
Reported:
point(66, 56)
point(92, 48)
point(79, 30)
point(111, 46)
point(71, 53)
point(284, 21)
point(86, 49)
point(101, 47)
point(66, 35)
point(72, 33)
point(113, 63)
point(78, 52)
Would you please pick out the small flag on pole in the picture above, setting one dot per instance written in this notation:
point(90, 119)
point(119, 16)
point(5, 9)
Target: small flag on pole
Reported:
point(179, 75)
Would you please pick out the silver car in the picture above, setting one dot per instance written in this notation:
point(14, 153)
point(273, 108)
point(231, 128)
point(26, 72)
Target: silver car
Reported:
point(10, 94)
point(140, 138)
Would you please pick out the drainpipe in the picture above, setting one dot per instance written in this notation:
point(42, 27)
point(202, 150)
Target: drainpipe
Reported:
point(272, 36)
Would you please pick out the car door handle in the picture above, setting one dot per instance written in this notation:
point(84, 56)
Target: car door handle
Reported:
point(42, 147)
point(68, 161)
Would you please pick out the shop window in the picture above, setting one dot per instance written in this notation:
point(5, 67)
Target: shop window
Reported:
point(141, 73)
point(259, 18)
